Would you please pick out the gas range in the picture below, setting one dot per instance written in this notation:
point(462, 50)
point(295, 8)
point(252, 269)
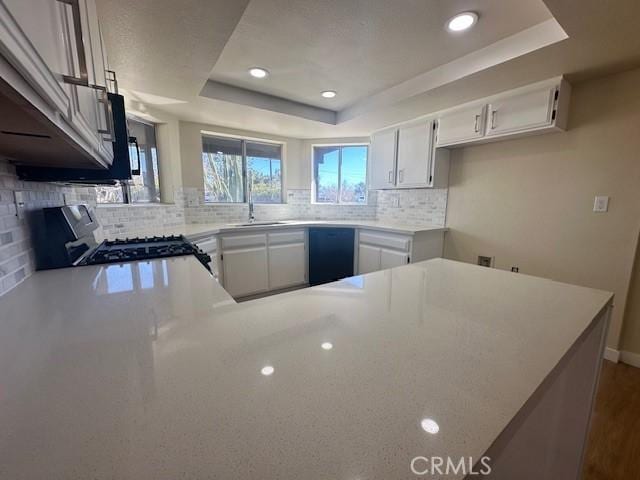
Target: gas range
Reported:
point(64, 237)
point(130, 249)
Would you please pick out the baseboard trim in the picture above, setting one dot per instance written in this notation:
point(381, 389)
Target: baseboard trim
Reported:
point(630, 358)
point(612, 355)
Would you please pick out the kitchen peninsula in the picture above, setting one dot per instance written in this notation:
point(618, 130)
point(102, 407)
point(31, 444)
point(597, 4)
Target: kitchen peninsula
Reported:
point(150, 370)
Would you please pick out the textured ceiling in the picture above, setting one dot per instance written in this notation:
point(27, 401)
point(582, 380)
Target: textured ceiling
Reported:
point(358, 47)
point(166, 47)
point(162, 61)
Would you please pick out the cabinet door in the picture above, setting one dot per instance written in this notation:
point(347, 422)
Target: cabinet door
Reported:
point(414, 149)
point(287, 265)
point(382, 160)
point(522, 112)
point(392, 258)
point(461, 126)
point(368, 259)
point(245, 271)
point(33, 39)
point(99, 74)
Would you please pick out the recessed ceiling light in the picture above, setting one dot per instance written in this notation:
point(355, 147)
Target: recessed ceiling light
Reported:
point(258, 72)
point(268, 370)
point(328, 94)
point(327, 346)
point(430, 426)
point(462, 21)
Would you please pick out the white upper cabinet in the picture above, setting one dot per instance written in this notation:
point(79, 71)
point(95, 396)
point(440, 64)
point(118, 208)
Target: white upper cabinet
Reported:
point(534, 109)
point(521, 112)
point(56, 48)
point(33, 40)
point(460, 126)
point(382, 160)
point(414, 150)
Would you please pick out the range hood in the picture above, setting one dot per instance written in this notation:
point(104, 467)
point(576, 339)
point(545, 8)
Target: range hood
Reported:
point(119, 170)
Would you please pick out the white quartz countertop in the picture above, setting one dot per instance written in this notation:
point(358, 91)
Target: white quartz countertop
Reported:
point(150, 371)
point(195, 230)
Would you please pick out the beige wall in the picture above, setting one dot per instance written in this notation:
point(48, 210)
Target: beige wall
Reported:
point(631, 328)
point(528, 202)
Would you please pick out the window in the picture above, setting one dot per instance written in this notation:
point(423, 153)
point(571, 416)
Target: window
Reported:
point(234, 167)
point(142, 188)
point(340, 174)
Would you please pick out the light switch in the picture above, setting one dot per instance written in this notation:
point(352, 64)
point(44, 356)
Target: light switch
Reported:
point(601, 204)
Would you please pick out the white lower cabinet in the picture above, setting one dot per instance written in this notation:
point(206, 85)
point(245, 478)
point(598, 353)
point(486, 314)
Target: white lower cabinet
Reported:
point(372, 258)
point(258, 263)
point(381, 250)
point(368, 259)
point(245, 271)
point(392, 258)
point(287, 265)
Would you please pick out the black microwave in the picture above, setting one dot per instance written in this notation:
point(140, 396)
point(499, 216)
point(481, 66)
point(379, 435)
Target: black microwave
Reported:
point(120, 169)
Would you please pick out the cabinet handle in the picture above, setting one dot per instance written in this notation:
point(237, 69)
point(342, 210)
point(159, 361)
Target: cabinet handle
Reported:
point(108, 112)
point(494, 116)
point(401, 175)
point(476, 127)
point(390, 176)
point(83, 78)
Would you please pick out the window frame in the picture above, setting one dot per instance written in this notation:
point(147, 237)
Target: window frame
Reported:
point(125, 186)
point(314, 187)
point(245, 169)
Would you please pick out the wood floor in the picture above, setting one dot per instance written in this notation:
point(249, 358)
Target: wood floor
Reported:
point(613, 452)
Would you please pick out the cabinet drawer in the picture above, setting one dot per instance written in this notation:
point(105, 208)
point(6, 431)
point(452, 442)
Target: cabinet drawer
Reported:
point(242, 241)
point(389, 240)
point(293, 236)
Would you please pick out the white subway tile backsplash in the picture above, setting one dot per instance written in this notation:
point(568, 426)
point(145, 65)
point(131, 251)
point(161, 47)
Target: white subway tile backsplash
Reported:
point(426, 205)
point(419, 206)
point(16, 256)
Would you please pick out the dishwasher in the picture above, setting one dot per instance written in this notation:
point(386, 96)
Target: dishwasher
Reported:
point(330, 254)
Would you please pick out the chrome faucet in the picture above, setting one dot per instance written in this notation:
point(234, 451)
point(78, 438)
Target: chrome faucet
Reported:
point(252, 217)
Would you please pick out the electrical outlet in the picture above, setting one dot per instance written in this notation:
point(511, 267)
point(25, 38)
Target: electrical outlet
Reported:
point(485, 261)
point(20, 204)
point(601, 204)
point(395, 201)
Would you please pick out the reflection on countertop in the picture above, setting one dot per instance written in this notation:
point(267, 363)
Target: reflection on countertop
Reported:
point(150, 370)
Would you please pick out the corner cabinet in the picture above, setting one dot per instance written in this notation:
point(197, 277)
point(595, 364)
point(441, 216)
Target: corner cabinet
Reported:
point(52, 70)
point(407, 158)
